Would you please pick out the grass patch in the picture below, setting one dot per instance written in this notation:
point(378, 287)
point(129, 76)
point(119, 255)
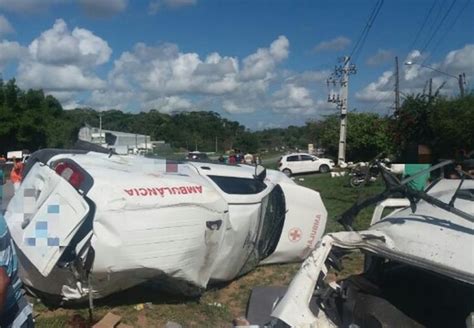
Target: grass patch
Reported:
point(338, 196)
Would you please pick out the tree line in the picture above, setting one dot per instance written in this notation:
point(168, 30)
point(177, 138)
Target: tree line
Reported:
point(32, 120)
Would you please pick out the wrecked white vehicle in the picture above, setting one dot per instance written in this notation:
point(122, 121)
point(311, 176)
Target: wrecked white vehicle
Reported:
point(418, 270)
point(88, 224)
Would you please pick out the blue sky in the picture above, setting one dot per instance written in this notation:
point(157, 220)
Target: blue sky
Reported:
point(263, 63)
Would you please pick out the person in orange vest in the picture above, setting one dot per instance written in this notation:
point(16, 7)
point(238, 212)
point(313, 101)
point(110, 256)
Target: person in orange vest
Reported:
point(16, 173)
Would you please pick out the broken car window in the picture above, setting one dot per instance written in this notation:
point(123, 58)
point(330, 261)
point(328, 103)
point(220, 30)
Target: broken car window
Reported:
point(242, 186)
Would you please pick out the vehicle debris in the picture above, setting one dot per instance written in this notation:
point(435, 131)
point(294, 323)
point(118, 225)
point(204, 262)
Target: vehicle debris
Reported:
point(418, 268)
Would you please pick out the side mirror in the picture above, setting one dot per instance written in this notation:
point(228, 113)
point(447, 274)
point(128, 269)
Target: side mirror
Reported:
point(313, 159)
point(260, 172)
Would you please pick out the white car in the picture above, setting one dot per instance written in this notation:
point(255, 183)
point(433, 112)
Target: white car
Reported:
point(303, 163)
point(88, 224)
point(418, 268)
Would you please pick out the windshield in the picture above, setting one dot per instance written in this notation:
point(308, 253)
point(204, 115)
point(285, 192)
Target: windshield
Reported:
point(273, 218)
point(241, 186)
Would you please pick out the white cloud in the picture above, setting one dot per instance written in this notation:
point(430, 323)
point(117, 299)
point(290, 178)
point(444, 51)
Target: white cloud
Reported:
point(336, 44)
point(27, 6)
point(169, 105)
point(10, 51)
point(262, 63)
point(155, 5)
point(103, 8)
point(378, 90)
point(59, 46)
point(292, 98)
point(164, 70)
point(414, 77)
point(161, 76)
point(57, 78)
point(5, 26)
point(232, 108)
point(61, 60)
point(382, 56)
point(460, 60)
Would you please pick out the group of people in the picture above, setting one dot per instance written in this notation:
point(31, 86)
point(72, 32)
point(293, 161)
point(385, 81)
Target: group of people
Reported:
point(237, 157)
point(15, 311)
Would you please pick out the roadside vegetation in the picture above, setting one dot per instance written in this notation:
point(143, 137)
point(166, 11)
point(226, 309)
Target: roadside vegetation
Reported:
point(145, 307)
point(32, 120)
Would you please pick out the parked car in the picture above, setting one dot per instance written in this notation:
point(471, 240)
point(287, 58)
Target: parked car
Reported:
point(87, 224)
point(418, 269)
point(303, 163)
point(197, 155)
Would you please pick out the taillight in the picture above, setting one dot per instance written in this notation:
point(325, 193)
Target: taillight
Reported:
point(71, 173)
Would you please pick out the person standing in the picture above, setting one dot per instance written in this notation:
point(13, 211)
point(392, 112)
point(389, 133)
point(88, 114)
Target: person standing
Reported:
point(16, 173)
point(15, 311)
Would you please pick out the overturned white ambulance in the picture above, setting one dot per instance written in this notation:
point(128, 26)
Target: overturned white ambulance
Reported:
point(88, 224)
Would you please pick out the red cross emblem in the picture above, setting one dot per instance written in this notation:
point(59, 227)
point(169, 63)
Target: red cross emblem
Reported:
point(294, 235)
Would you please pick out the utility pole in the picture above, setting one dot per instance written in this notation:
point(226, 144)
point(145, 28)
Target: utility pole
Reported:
point(340, 77)
point(462, 81)
point(100, 129)
point(397, 87)
point(216, 144)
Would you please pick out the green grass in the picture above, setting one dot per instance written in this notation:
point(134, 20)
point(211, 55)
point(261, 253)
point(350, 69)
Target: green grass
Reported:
point(219, 305)
point(338, 196)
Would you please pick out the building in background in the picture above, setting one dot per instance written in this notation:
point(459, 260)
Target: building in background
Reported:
point(120, 142)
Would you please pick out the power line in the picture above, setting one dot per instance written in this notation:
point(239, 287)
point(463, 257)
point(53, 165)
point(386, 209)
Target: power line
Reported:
point(365, 31)
point(423, 25)
point(439, 25)
point(436, 18)
point(453, 23)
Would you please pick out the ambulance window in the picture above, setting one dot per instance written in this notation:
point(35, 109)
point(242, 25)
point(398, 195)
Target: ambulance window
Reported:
point(239, 186)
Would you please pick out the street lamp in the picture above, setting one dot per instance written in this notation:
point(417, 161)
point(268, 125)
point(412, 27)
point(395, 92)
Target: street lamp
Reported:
point(461, 78)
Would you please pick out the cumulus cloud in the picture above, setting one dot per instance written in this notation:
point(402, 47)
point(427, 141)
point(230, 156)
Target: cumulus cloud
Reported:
point(59, 46)
point(292, 96)
point(60, 60)
point(5, 26)
point(27, 6)
point(169, 105)
point(10, 51)
point(378, 90)
point(165, 78)
point(382, 56)
point(336, 44)
point(103, 8)
point(261, 63)
point(164, 70)
point(232, 107)
point(155, 5)
point(414, 77)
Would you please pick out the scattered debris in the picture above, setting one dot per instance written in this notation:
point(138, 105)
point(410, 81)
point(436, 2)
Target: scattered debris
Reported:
point(417, 248)
point(215, 304)
point(338, 174)
point(172, 324)
point(110, 320)
point(139, 307)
